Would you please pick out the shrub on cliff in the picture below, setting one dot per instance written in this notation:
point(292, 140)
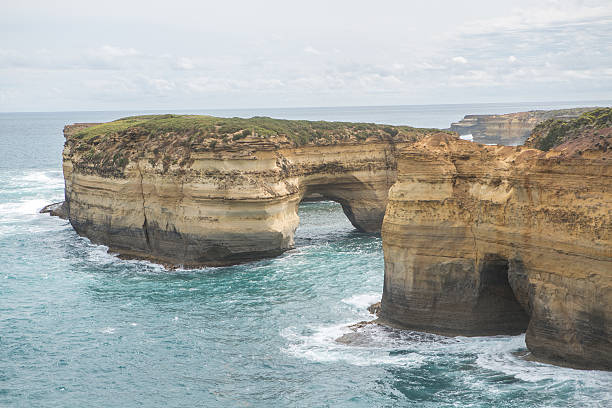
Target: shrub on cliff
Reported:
point(554, 132)
point(299, 132)
point(109, 147)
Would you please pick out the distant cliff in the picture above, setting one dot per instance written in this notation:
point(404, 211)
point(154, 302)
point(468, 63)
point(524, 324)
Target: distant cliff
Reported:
point(510, 128)
point(554, 132)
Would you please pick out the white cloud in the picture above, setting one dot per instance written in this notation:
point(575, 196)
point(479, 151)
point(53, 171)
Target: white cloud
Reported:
point(511, 51)
point(473, 78)
point(108, 51)
point(311, 50)
point(161, 85)
point(545, 14)
point(185, 63)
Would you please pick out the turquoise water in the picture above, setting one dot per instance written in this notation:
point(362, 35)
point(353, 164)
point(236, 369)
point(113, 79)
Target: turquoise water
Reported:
point(79, 327)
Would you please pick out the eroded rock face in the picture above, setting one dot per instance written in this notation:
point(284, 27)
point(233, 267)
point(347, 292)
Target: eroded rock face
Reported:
point(225, 204)
point(483, 240)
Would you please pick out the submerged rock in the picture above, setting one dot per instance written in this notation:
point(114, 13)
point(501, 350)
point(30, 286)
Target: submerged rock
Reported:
point(381, 333)
point(374, 308)
point(55, 210)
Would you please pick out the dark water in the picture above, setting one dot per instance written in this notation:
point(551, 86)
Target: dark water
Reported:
point(79, 327)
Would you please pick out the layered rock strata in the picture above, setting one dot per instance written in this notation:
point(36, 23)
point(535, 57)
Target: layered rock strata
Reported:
point(201, 197)
point(485, 240)
point(509, 129)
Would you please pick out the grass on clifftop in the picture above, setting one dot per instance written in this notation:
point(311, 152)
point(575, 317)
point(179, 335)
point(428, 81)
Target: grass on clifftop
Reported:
point(169, 140)
point(298, 131)
point(554, 132)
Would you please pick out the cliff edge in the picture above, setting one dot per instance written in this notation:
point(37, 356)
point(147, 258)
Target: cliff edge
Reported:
point(485, 240)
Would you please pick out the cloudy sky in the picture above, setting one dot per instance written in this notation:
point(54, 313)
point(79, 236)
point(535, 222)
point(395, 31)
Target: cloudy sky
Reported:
point(100, 55)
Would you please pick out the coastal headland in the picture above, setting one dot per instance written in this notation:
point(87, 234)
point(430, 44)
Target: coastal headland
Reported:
point(478, 240)
point(510, 129)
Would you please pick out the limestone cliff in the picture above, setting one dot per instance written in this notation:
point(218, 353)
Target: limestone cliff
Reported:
point(196, 190)
point(485, 240)
point(512, 128)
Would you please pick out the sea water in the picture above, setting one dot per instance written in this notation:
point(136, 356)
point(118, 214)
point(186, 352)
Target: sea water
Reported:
point(80, 327)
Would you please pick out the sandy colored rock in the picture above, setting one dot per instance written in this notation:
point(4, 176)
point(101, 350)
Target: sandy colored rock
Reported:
point(181, 199)
point(485, 240)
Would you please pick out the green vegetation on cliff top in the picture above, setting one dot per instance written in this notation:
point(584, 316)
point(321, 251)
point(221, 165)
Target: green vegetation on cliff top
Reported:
point(168, 140)
point(298, 131)
point(554, 132)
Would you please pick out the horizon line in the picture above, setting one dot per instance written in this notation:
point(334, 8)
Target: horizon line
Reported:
point(315, 107)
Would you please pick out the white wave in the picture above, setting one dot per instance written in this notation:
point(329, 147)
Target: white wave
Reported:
point(362, 301)
point(48, 178)
point(100, 255)
point(321, 346)
point(108, 330)
point(31, 181)
point(498, 354)
point(150, 266)
point(467, 137)
point(378, 345)
point(23, 207)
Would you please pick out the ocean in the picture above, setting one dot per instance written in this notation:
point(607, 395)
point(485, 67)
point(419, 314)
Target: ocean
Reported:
point(80, 327)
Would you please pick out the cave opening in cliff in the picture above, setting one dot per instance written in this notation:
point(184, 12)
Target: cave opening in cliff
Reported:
point(497, 300)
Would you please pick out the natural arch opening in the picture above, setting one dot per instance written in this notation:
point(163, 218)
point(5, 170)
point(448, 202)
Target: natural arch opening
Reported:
point(359, 224)
point(363, 204)
point(497, 303)
point(321, 219)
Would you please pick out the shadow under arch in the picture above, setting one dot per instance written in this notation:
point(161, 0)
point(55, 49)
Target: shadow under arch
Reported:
point(498, 307)
point(363, 203)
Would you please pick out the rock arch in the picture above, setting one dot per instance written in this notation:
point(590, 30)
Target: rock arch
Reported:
point(363, 199)
point(225, 208)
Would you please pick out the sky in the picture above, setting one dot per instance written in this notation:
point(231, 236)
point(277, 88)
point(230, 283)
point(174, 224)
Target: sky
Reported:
point(116, 55)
